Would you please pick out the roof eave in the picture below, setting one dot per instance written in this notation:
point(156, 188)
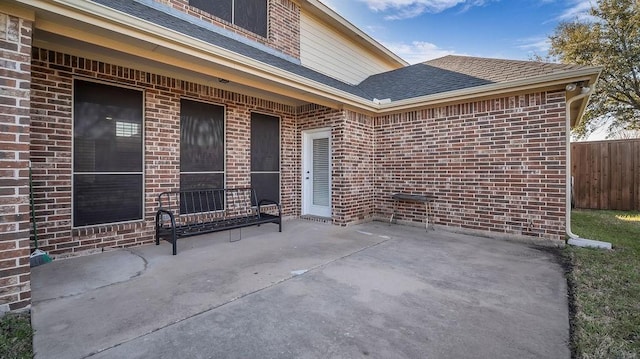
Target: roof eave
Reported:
point(563, 78)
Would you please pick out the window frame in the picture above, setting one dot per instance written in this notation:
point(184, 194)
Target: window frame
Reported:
point(73, 157)
point(233, 18)
point(279, 172)
point(224, 145)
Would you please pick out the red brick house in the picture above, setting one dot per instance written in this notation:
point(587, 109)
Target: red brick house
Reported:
point(115, 101)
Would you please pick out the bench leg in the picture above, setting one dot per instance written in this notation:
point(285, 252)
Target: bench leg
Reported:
point(429, 215)
point(174, 242)
point(426, 218)
point(157, 231)
point(393, 213)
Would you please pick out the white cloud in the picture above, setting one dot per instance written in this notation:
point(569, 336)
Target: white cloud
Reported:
point(331, 4)
point(418, 51)
point(372, 29)
point(405, 9)
point(535, 44)
point(578, 9)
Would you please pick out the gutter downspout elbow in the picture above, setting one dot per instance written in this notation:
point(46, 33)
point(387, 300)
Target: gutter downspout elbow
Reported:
point(574, 239)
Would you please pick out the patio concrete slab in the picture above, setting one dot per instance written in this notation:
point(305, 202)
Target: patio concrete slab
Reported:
point(371, 290)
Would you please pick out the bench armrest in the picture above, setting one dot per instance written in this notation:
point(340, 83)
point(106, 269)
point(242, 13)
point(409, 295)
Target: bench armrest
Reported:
point(169, 213)
point(159, 220)
point(269, 202)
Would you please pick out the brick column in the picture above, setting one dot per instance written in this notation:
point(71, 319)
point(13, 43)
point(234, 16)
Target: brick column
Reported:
point(353, 188)
point(15, 80)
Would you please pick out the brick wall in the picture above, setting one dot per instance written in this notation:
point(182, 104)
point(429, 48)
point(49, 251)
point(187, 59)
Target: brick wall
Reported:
point(15, 55)
point(283, 25)
point(496, 165)
point(51, 141)
point(353, 181)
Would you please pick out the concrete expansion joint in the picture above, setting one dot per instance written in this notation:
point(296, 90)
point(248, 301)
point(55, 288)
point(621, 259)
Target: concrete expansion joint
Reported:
point(384, 239)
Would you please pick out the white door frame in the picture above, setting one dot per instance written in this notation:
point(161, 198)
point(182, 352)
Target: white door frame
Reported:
point(308, 208)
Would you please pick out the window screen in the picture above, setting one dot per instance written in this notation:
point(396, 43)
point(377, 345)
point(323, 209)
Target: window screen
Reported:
point(251, 15)
point(248, 14)
point(265, 156)
point(201, 145)
point(220, 8)
point(107, 154)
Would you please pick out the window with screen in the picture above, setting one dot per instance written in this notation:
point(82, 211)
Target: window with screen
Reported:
point(265, 156)
point(248, 14)
point(201, 147)
point(107, 154)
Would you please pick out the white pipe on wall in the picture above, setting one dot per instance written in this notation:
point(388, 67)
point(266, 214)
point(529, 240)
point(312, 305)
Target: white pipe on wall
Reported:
point(574, 239)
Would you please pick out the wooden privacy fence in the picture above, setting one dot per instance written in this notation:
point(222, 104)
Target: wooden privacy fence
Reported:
point(606, 174)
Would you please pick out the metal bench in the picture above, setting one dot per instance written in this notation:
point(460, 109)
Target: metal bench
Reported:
point(427, 200)
point(200, 211)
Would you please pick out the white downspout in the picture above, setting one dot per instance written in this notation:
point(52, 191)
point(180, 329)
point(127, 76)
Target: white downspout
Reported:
point(574, 239)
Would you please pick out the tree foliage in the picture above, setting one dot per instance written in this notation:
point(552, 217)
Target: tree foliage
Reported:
point(610, 38)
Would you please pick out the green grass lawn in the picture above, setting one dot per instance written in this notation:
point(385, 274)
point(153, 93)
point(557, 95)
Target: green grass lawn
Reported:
point(605, 285)
point(15, 336)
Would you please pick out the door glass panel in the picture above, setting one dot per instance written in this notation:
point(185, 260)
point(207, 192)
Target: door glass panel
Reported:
point(321, 172)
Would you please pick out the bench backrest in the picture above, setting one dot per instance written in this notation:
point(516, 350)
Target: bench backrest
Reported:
point(211, 203)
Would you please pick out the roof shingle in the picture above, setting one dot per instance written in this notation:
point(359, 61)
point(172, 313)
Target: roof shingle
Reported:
point(452, 73)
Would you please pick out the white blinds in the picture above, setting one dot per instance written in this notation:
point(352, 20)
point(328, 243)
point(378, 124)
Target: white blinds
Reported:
point(321, 172)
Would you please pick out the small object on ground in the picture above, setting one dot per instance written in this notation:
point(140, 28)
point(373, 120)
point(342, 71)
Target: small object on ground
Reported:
point(299, 272)
point(38, 256)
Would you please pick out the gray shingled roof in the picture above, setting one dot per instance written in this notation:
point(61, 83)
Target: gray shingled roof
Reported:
point(451, 73)
point(498, 70)
point(417, 80)
point(441, 75)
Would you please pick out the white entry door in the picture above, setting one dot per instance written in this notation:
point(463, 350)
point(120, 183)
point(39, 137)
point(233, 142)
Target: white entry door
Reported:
point(316, 173)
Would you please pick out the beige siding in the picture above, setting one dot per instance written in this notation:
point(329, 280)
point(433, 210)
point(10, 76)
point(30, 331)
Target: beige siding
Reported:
point(327, 51)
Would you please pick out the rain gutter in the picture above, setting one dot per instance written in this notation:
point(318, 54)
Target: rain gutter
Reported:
point(574, 239)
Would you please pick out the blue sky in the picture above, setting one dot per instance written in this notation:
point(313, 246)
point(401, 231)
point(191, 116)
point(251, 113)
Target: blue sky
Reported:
point(420, 30)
